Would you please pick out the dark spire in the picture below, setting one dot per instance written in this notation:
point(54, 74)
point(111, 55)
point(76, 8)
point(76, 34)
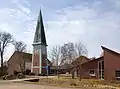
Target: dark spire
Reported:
point(40, 33)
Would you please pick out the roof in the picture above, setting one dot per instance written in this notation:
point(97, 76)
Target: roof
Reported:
point(107, 49)
point(80, 58)
point(65, 66)
point(39, 37)
point(97, 59)
point(28, 55)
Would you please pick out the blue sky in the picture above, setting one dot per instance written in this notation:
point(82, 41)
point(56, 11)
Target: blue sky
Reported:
point(94, 22)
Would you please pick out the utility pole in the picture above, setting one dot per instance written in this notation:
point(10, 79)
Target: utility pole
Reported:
point(47, 67)
point(0, 50)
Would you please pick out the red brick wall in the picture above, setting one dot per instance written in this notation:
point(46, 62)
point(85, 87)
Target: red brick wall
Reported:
point(16, 60)
point(36, 70)
point(44, 63)
point(36, 59)
point(13, 64)
point(111, 63)
point(90, 65)
point(36, 63)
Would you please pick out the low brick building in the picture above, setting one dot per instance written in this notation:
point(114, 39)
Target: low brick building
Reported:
point(106, 67)
point(20, 62)
point(90, 69)
point(76, 64)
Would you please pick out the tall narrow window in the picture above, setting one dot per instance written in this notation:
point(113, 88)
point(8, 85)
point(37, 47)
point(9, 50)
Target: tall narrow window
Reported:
point(101, 69)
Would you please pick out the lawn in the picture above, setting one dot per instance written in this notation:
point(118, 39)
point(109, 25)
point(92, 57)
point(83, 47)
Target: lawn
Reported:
point(75, 83)
point(90, 83)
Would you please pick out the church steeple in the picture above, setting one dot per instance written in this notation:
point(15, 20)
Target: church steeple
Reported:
point(40, 33)
point(39, 55)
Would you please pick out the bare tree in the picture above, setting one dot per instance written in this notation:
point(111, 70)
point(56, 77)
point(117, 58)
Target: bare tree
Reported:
point(55, 55)
point(81, 51)
point(68, 52)
point(5, 39)
point(22, 63)
point(19, 46)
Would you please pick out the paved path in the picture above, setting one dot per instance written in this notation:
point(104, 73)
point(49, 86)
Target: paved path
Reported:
point(32, 77)
point(10, 85)
point(17, 80)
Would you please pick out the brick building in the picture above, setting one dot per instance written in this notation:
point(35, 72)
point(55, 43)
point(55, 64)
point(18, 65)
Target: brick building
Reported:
point(20, 62)
point(76, 65)
point(39, 56)
point(106, 67)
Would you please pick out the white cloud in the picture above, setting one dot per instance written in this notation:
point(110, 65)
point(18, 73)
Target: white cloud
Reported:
point(24, 9)
point(85, 24)
point(116, 3)
point(19, 22)
point(88, 24)
point(14, 1)
point(26, 2)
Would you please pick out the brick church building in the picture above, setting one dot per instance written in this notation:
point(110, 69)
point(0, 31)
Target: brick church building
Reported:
point(39, 56)
point(37, 61)
point(107, 66)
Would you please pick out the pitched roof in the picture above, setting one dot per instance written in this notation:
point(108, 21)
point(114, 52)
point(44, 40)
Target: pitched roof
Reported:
point(97, 59)
point(79, 58)
point(107, 49)
point(39, 37)
point(28, 55)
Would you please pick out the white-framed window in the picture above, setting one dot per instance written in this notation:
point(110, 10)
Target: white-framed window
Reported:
point(117, 73)
point(92, 72)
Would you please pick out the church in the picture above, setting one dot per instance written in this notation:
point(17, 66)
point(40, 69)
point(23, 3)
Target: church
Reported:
point(36, 62)
point(106, 66)
point(39, 56)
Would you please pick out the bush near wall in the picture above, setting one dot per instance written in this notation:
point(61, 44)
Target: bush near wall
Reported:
point(4, 72)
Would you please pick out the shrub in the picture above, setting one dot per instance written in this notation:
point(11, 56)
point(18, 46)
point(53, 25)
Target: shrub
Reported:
point(3, 73)
point(73, 84)
point(39, 75)
point(32, 73)
point(16, 73)
point(27, 72)
point(8, 77)
point(20, 75)
point(3, 77)
point(44, 74)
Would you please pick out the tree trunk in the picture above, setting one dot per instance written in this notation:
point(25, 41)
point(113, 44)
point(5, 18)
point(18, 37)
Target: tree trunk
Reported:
point(80, 74)
point(1, 61)
point(58, 72)
point(73, 75)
